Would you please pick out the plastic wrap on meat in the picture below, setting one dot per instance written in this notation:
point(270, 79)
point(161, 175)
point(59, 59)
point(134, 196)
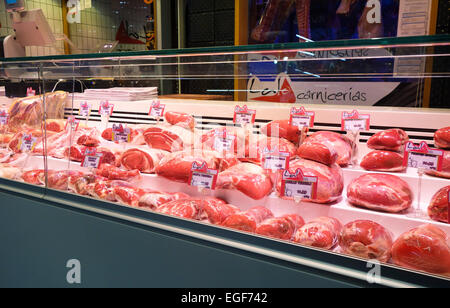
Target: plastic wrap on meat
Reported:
point(10, 172)
point(144, 160)
point(76, 153)
point(5, 138)
point(327, 148)
point(169, 138)
point(442, 138)
point(330, 179)
point(383, 161)
point(390, 140)
point(322, 232)
point(90, 141)
point(282, 228)
point(366, 239)
point(248, 220)
point(282, 129)
point(111, 172)
point(60, 179)
point(33, 177)
point(79, 185)
point(215, 211)
point(438, 209)
point(248, 178)
point(425, 248)
point(55, 125)
point(445, 172)
point(153, 200)
point(177, 166)
point(186, 208)
point(104, 189)
point(380, 192)
point(180, 119)
point(128, 195)
point(17, 138)
point(254, 150)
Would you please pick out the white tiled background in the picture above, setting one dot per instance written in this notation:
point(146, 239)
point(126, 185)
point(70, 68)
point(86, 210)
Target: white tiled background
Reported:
point(98, 24)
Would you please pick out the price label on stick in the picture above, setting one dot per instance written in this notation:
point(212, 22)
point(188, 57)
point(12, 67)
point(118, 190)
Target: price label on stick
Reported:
point(354, 121)
point(120, 133)
point(423, 157)
point(157, 109)
point(275, 160)
point(202, 176)
point(106, 109)
point(243, 115)
point(30, 92)
point(72, 123)
point(85, 109)
point(91, 159)
point(223, 142)
point(27, 143)
point(296, 185)
point(4, 117)
point(302, 118)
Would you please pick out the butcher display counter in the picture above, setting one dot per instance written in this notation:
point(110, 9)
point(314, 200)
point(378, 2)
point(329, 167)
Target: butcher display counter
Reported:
point(114, 191)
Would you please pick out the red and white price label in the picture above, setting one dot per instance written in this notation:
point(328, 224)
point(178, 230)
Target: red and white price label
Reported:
point(224, 142)
point(85, 109)
point(423, 157)
point(4, 117)
point(72, 123)
point(120, 133)
point(91, 159)
point(296, 185)
point(354, 121)
point(202, 176)
point(302, 118)
point(157, 109)
point(27, 143)
point(243, 115)
point(106, 109)
point(275, 160)
point(31, 92)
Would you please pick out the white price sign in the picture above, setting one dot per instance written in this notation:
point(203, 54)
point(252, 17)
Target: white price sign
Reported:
point(422, 157)
point(106, 109)
point(157, 110)
point(275, 160)
point(224, 142)
point(121, 134)
point(4, 117)
point(244, 115)
point(27, 143)
point(203, 177)
point(85, 109)
point(91, 158)
point(302, 118)
point(354, 121)
point(296, 185)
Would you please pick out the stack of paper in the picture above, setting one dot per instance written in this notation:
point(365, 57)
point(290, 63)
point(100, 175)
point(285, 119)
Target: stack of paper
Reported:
point(2, 91)
point(119, 94)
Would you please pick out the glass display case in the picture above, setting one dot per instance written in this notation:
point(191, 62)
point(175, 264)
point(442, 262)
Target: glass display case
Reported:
point(327, 160)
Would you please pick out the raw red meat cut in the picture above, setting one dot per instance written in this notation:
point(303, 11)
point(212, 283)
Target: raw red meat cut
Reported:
point(88, 141)
point(153, 200)
point(128, 195)
point(442, 138)
point(282, 227)
point(366, 239)
point(215, 210)
point(391, 140)
point(380, 192)
point(143, 160)
point(33, 177)
point(327, 148)
point(16, 140)
point(180, 119)
point(322, 232)
point(55, 125)
point(111, 172)
point(60, 179)
point(425, 248)
point(255, 149)
point(76, 153)
point(186, 208)
point(330, 179)
point(445, 172)
point(80, 184)
point(177, 166)
point(248, 178)
point(104, 190)
point(282, 129)
point(384, 161)
point(439, 206)
point(169, 138)
point(249, 220)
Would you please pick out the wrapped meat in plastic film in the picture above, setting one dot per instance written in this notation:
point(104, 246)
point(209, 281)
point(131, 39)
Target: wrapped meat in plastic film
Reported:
point(104, 189)
point(330, 179)
point(185, 208)
point(144, 160)
point(366, 239)
point(111, 172)
point(383, 161)
point(445, 172)
point(60, 179)
point(327, 148)
point(33, 177)
point(425, 248)
point(153, 200)
point(248, 220)
point(76, 153)
point(17, 139)
point(55, 125)
point(180, 119)
point(322, 232)
point(80, 184)
point(282, 228)
point(169, 138)
point(10, 172)
point(442, 138)
point(282, 129)
point(128, 195)
point(390, 140)
point(380, 192)
point(249, 179)
point(215, 211)
point(439, 206)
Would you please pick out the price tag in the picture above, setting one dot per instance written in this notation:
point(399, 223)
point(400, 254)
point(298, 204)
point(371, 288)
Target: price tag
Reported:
point(223, 142)
point(157, 109)
point(275, 160)
point(120, 133)
point(422, 156)
point(31, 92)
point(91, 159)
point(203, 177)
point(244, 115)
point(106, 109)
point(85, 109)
point(4, 117)
point(72, 123)
point(296, 185)
point(302, 118)
point(354, 121)
point(27, 143)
